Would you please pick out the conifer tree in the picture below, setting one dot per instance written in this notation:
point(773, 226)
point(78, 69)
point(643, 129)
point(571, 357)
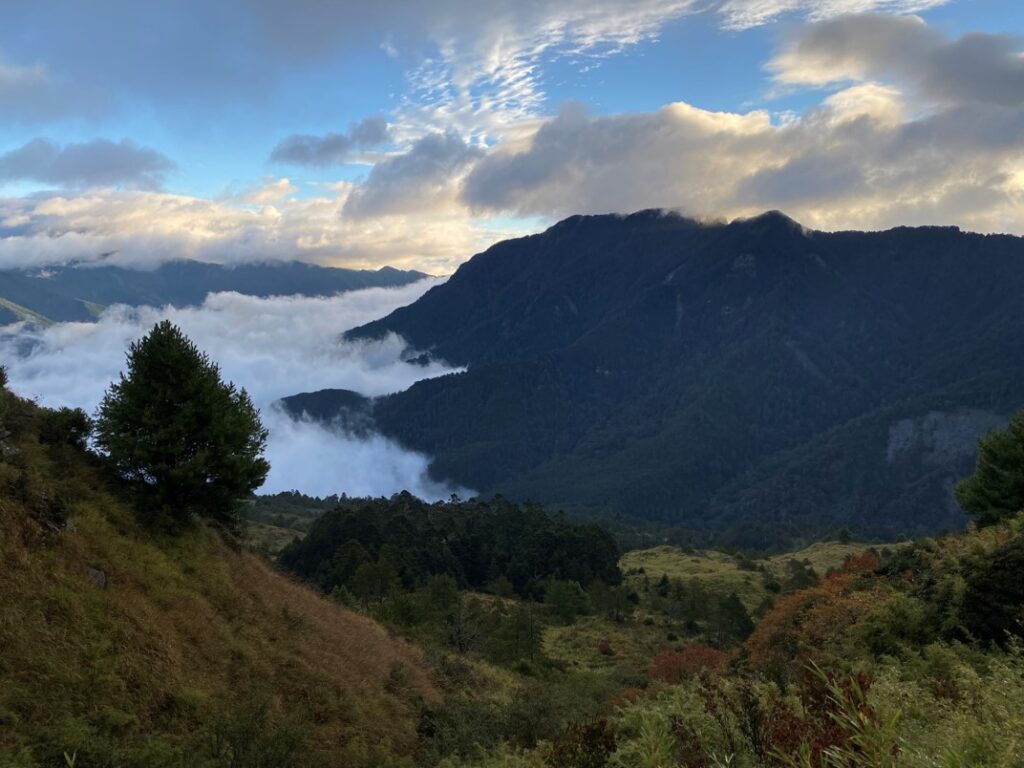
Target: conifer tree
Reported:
point(996, 489)
point(190, 443)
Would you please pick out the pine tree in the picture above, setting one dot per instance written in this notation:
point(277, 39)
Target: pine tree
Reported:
point(190, 443)
point(996, 489)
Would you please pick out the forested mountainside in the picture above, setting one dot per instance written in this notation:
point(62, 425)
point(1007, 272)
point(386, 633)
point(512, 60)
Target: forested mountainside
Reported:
point(79, 293)
point(756, 379)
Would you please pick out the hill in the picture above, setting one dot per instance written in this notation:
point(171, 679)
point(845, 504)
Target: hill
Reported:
point(754, 380)
point(122, 646)
point(81, 292)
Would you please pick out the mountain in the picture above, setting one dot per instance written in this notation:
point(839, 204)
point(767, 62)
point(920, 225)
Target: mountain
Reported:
point(80, 293)
point(755, 380)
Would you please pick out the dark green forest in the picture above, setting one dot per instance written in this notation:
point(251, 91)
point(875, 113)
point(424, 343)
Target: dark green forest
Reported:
point(476, 543)
point(754, 382)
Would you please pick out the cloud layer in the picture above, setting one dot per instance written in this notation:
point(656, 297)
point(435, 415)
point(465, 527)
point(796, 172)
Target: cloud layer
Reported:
point(272, 347)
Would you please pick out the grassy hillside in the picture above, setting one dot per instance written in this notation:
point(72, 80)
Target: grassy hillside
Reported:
point(125, 647)
point(721, 572)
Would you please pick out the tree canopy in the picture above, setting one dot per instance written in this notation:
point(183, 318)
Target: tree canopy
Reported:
point(996, 489)
point(190, 442)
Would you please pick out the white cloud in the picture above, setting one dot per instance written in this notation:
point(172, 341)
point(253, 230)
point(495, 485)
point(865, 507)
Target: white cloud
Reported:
point(851, 163)
point(142, 229)
point(975, 68)
point(743, 14)
point(941, 141)
point(272, 347)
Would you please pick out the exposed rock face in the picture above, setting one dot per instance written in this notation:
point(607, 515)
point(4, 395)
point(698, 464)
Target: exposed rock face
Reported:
point(942, 439)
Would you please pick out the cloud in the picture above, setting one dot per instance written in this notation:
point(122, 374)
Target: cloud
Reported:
point(853, 162)
point(271, 191)
point(421, 179)
point(95, 163)
point(272, 347)
point(331, 148)
point(142, 229)
point(469, 60)
point(973, 69)
point(743, 14)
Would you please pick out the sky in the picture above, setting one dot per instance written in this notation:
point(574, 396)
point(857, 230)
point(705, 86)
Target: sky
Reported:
point(415, 134)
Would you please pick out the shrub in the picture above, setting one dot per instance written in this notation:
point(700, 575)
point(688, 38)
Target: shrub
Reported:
point(676, 666)
point(66, 427)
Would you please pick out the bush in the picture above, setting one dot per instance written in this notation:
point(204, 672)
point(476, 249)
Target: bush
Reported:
point(993, 607)
point(676, 666)
point(65, 427)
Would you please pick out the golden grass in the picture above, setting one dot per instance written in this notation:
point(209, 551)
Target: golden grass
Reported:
point(720, 572)
point(186, 627)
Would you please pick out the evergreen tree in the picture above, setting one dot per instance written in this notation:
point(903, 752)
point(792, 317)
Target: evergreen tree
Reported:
point(996, 489)
point(188, 441)
point(730, 620)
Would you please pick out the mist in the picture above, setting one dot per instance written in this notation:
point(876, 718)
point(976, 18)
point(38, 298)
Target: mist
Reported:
point(272, 347)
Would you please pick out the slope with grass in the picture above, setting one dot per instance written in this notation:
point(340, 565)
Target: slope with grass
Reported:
point(127, 647)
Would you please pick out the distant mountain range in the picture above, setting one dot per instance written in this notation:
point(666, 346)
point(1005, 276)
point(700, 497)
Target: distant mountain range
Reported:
point(80, 293)
point(755, 381)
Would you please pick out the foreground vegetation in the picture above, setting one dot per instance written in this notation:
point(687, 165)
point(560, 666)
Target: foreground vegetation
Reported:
point(138, 631)
point(122, 645)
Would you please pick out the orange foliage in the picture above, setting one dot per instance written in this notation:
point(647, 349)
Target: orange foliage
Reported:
point(676, 666)
point(800, 626)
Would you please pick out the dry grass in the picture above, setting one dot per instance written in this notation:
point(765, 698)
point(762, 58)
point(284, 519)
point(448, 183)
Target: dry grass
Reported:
point(185, 630)
point(721, 573)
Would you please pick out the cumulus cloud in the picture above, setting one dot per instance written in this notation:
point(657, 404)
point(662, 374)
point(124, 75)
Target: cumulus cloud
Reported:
point(852, 162)
point(272, 347)
point(422, 179)
point(975, 68)
point(331, 148)
point(94, 163)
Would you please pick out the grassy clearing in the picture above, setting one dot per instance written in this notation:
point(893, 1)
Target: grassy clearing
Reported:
point(633, 643)
point(724, 573)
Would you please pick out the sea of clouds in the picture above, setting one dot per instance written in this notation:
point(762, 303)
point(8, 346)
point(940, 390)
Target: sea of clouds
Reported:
point(272, 347)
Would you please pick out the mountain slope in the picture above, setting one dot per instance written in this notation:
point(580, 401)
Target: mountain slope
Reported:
point(131, 648)
point(79, 293)
point(646, 365)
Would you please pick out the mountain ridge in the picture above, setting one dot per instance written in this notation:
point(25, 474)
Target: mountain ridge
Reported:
point(78, 293)
point(635, 365)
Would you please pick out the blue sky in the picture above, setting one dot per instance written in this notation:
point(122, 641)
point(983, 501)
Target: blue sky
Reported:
point(416, 134)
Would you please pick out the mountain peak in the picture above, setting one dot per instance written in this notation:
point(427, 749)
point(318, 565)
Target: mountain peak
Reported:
point(773, 220)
